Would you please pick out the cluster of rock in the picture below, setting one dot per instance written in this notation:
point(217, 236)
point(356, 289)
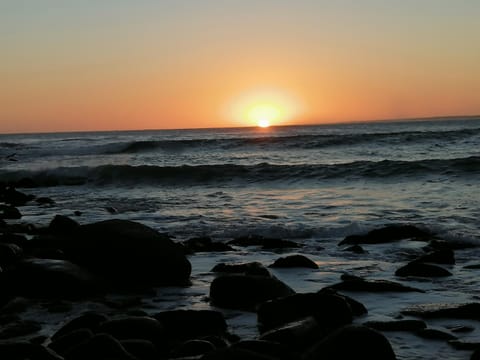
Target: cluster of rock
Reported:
point(67, 260)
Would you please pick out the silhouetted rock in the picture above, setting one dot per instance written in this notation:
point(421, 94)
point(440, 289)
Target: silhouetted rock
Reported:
point(135, 327)
point(192, 348)
point(62, 225)
point(265, 243)
point(89, 320)
point(101, 346)
point(357, 249)
point(387, 234)
point(10, 254)
point(44, 201)
point(250, 268)
point(474, 266)
point(352, 342)
point(419, 269)
point(17, 239)
point(48, 278)
point(206, 244)
point(355, 283)
point(397, 325)
point(268, 348)
point(14, 197)
point(63, 344)
point(330, 310)
point(232, 353)
point(21, 350)
point(297, 335)
point(443, 256)
point(141, 349)
point(455, 311)
point(129, 254)
point(434, 334)
point(294, 261)
point(19, 328)
point(246, 291)
point(190, 324)
point(9, 212)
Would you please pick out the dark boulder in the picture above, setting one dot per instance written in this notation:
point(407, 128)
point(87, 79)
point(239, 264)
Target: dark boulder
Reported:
point(397, 325)
point(205, 244)
point(135, 327)
point(141, 349)
point(268, 348)
point(357, 307)
point(352, 342)
point(19, 328)
point(442, 256)
point(329, 310)
point(62, 225)
point(232, 353)
point(63, 344)
point(455, 311)
point(297, 335)
point(9, 212)
point(21, 350)
point(434, 334)
point(89, 320)
point(11, 238)
point(294, 261)
point(48, 278)
point(419, 269)
point(387, 234)
point(129, 254)
point(240, 291)
point(190, 324)
point(250, 268)
point(101, 346)
point(355, 283)
point(265, 243)
point(10, 254)
point(192, 348)
point(14, 197)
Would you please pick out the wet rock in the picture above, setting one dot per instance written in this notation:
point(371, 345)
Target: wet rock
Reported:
point(192, 348)
point(419, 269)
point(297, 335)
point(352, 342)
point(250, 268)
point(464, 345)
point(101, 346)
point(190, 324)
point(63, 344)
point(357, 307)
point(19, 328)
point(476, 354)
point(452, 311)
point(265, 243)
point(9, 212)
point(135, 327)
point(22, 350)
point(357, 249)
point(205, 244)
point(49, 278)
point(44, 201)
point(461, 328)
point(10, 254)
point(3, 224)
point(442, 256)
point(17, 239)
point(434, 334)
point(141, 349)
point(62, 225)
point(397, 325)
point(246, 291)
point(129, 254)
point(234, 354)
point(14, 197)
point(26, 183)
point(89, 320)
point(387, 234)
point(355, 283)
point(294, 261)
point(329, 310)
point(474, 266)
point(268, 348)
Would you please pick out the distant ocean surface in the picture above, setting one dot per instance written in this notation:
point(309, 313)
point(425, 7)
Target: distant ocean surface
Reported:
point(311, 184)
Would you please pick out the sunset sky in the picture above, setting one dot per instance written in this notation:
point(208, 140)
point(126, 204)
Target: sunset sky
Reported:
point(145, 64)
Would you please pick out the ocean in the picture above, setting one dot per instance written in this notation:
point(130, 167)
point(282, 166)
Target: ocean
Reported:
point(310, 184)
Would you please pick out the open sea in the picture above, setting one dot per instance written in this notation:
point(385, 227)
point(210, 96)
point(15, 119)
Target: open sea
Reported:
point(310, 184)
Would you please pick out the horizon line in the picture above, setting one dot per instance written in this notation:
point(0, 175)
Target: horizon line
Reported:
point(345, 122)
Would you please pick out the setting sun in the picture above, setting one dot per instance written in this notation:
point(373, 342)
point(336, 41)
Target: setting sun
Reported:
point(264, 108)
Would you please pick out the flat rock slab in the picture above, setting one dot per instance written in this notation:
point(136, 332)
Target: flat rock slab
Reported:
point(455, 311)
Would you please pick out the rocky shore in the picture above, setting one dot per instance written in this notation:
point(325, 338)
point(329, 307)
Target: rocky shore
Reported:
point(66, 263)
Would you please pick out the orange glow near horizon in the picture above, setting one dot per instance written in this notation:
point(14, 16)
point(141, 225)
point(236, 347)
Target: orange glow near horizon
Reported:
point(264, 108)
